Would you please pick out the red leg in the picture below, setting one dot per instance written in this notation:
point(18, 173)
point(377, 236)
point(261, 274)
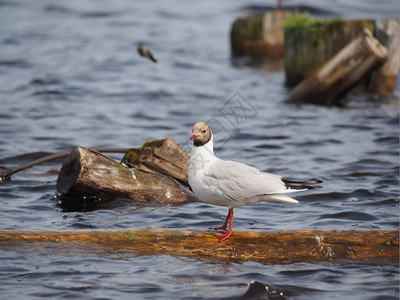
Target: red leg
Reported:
point(226, 221)
point(224, 236)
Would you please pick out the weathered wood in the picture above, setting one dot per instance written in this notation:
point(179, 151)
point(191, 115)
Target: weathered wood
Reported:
point(160, 156)
point(259, 35)
point(370, 246)
point(342, 72)
point(5, 175)
point(384, 79)
point(311, 43)
point(88, 174)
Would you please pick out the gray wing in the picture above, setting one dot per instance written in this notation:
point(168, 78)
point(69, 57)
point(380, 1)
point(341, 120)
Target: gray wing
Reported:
point(236, 181)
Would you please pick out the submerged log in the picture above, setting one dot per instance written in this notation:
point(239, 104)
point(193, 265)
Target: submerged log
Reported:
point(160, 156)
point(366, 246)
point(311, 43)
point(88, 174)
point(259, 35)
point(342, 72)
point(384, 79)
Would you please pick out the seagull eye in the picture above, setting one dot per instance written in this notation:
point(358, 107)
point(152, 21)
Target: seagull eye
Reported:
point(205, 131)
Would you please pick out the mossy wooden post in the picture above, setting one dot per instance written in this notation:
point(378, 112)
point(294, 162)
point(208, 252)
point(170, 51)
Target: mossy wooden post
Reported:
point(384, 79)
point(88, 177)
point(259, 35)
point(289, 246)
point(311, 43)
point(342, 72)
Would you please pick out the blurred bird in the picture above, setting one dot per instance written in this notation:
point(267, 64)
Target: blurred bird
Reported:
point(145, 52)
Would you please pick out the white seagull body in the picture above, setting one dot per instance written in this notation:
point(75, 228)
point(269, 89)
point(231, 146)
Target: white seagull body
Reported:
point(232, 184)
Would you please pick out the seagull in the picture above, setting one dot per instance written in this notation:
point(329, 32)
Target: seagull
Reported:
point(145, 52)
point(232, 184)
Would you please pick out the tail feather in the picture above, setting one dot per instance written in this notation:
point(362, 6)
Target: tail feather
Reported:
point(282, 198)
point(302, 185)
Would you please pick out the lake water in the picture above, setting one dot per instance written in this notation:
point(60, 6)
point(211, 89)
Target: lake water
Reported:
point(70, 75)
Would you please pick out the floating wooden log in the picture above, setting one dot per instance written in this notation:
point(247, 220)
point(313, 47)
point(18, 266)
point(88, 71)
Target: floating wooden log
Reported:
point(384, 79)
point(90, 176)
point(160, 156)
point(311, 43)
point(259, 35)
point(342, 72)
point(366, 246)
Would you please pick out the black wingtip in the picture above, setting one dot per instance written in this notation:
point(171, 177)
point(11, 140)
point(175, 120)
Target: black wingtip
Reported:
point(299, 185)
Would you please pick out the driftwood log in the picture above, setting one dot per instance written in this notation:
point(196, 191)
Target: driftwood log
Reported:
point(342, 72)
point(259, 35)
point(92, 177)
point(311, 43)
point(384, 79)
point(365, 246)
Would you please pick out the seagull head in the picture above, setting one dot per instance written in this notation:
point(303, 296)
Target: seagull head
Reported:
point(201, 134)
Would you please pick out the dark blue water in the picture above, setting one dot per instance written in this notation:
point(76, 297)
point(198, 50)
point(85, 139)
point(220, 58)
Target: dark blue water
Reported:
point(70, 75)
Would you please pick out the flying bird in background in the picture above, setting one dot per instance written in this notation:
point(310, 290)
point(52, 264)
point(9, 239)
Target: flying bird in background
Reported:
point(145, 52)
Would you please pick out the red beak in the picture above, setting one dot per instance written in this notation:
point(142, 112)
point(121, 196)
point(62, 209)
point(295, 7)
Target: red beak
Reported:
point(192, 137)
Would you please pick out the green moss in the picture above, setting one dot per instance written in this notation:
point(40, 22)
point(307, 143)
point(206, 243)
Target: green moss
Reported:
point(304, 23)
point(126, 235)
point(248, 28)
point(133, 154)
point(309, 43)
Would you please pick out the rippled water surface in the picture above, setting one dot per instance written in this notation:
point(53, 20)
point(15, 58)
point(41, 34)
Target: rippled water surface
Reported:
point(70, 75)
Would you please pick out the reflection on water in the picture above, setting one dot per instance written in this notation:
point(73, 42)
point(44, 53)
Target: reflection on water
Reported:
point(71, 76)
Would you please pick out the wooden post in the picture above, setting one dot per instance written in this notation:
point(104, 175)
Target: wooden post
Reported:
point(259, 35)
point(291, 246)
point(342, 72)
point(89, 177)
point(311, 43)
point(384, 79)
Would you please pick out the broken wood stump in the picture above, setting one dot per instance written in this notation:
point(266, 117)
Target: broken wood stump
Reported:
point(289, 246)
point(91, 177)
point(384, 78)
point(347, 68)
point(160, 156)
point(259, 35)
point(310, 43)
